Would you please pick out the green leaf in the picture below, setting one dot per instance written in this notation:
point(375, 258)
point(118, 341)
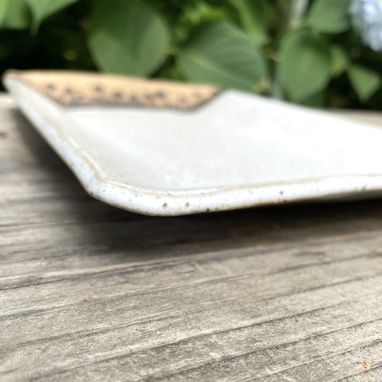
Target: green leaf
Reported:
point(127, 37)
point(331, 16)
point(304, 64)
point(16, 16)
point(41, 9)
point(193, 16)
point(340, 60)
point(3, 9)
point(364, 81)
point(202, 13)
point(253, 17)
point(221, 54)
point(316, 100)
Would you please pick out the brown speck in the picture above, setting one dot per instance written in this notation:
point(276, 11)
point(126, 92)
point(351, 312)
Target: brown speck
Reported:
point(117, 96)
point(366, 366)
point(164, 205)
point(134, 101)
point(187, 204)
point(149, 99)
point(68, 91)
point(78, 100)
point(98, 89)
point(84, 24)
point(3, 134)
point(159, 94)
point(208, 210)
point(50, 87)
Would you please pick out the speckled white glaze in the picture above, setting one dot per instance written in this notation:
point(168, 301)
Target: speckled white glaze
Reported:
point(237, 151)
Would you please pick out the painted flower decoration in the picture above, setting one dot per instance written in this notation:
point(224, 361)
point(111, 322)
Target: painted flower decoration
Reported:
point(367, 16)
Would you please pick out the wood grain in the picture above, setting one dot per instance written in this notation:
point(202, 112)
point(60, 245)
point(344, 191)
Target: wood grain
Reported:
point(92, 293)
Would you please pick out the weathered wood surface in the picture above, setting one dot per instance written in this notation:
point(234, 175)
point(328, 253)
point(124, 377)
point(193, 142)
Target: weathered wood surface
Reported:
point(92, 293)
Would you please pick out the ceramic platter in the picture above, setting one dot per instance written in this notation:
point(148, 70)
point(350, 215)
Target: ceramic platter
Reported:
point(163, 148)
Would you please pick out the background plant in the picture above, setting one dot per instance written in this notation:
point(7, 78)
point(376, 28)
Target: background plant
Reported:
point(304, 51)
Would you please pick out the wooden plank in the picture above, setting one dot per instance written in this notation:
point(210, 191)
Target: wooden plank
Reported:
point(89, 292)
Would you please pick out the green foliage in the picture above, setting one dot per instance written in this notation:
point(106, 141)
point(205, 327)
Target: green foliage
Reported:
point(305, 51)
point(330, 16)
point(339, 60)
point(127, 37)
point(223, 55)
point(41, 9)
point(253, 16)
point(365, 82)
point(304, 64)
point(16, 15)
point(3, 9)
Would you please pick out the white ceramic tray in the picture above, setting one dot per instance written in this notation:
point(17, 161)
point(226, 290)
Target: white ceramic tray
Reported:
point(162, 148)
